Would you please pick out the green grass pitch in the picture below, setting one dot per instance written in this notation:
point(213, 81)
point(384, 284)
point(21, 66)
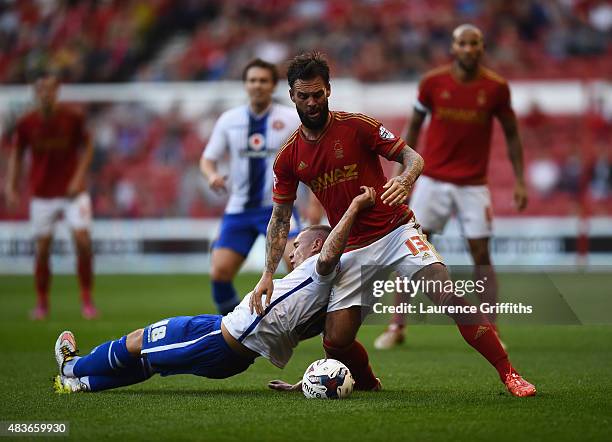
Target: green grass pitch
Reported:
point(435, 386)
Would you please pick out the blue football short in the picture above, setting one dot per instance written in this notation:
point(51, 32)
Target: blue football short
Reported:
point(240, 230)
point(191, 345)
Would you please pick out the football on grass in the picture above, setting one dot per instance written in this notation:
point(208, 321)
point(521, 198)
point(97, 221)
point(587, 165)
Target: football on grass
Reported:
point(327, 379)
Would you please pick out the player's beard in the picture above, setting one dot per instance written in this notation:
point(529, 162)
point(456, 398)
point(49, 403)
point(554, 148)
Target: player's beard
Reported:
point(319, 122)
point(470, 66)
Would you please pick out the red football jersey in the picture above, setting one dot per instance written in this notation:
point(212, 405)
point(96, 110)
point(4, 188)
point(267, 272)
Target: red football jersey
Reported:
point(54, 143)
point(334, 166)
point(458, 139)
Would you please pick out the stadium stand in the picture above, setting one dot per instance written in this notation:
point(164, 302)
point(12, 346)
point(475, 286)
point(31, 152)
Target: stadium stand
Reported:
point(146, 162)
point(163, 40)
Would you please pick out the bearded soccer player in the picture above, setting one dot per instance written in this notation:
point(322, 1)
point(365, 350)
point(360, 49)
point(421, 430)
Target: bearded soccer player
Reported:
point(463, 98)
point(61, 151)
point(335, 153)
point(216, 346)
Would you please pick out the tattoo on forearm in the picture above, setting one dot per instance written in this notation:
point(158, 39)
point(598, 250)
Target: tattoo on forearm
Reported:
point(335, 243)
point(413, 165)
point(276, 236)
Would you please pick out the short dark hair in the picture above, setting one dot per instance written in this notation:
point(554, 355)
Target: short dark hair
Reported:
point(307, 66)
point(259, 63)
point(319, 227)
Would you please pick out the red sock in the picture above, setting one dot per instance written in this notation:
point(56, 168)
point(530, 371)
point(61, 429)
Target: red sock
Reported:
point(484, 339)
point(84, 270)
point(42, 281)
point(355, 357)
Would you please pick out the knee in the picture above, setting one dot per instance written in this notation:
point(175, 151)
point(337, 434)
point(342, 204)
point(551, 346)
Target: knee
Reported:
point(221, 273)
point(480, 254)
point(337, 337)
point(134, 342)
point(43, 248)
point(82, 242)
point(434, 272)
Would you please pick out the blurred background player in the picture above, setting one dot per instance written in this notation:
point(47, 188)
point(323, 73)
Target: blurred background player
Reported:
point(61, 152)
point(462, 98)
point(252, 134)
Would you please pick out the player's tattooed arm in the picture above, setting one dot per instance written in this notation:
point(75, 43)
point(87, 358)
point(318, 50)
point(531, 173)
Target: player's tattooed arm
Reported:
point(398, 188)
point(276, 236)
point(276, 240)
point(515, 153)
point(337, 239)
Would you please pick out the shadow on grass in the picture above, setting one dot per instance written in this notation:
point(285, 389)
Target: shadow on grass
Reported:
point(194, 392)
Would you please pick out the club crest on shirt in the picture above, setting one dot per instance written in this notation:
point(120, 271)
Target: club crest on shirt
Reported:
point(445, 94)
point(338, 150)
point(385, 133)
point(256, 142)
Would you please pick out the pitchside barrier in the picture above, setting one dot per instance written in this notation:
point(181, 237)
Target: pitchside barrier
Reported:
point(183, 245)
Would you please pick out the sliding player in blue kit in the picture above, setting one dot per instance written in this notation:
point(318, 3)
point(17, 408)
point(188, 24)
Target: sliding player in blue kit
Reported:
point(216, 346)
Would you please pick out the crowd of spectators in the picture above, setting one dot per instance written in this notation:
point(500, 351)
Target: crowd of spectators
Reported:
point(371, 40)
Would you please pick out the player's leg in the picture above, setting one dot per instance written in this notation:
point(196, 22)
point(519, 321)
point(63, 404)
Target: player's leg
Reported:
point(475, 215)
point(484, 271)
point(477, 331)
point(78, 215)
point(225, 264)
point(42, 277)
point(236, 237)
point(82, 241)
point(112, 364)
point(43, 215)
point(432, 206)
point(339, 342)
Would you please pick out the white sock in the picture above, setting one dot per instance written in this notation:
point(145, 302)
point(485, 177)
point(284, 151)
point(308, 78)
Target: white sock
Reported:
point(67, 369)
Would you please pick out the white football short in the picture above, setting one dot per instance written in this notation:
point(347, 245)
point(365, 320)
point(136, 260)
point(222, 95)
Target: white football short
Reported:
point(45, 212)
point(404, 250)
point(434, 202)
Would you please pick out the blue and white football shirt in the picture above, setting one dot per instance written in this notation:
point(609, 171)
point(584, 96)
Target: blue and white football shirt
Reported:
point(298, 298)
point(252, 142)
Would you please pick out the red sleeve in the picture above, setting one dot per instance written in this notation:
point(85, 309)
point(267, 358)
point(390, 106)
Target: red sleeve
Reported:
point(285, 182)
point(424, 102)
point(504, 105)
point(382, 141)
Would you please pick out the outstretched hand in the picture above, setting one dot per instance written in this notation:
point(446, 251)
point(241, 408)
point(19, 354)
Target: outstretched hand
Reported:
point(279, 385)
point(264, 286)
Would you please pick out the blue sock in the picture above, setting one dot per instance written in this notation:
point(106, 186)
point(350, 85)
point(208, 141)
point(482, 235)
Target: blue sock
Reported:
point(127, 376)
point(225, 296)
point(106, 359)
